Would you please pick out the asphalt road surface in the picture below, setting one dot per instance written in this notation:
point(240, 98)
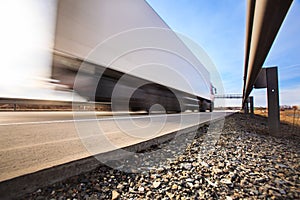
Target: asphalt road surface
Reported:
point(31, 141)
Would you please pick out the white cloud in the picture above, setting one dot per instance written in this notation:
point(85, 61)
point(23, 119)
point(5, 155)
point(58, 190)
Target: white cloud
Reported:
point(290, 96)
point(287, 96)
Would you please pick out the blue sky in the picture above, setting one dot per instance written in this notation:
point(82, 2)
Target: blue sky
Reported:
point(219, 28)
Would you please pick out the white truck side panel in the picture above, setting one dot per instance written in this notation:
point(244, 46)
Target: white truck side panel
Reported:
point(129, 36)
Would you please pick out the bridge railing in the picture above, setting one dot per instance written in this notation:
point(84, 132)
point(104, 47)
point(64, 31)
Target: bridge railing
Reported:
point(229, 96)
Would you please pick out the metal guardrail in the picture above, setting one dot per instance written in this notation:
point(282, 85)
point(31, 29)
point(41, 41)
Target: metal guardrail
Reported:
point(19, 101)
point(33, 101)
point(264, 19)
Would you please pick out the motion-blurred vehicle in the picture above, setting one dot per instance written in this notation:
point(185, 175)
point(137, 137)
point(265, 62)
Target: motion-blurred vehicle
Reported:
point(92, 34)
point(98, 83)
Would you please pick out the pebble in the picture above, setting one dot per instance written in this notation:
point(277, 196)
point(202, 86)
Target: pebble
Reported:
point(186, 166)
point(156, 184)
point(190, 184)
point(190, 180)
point(228, 198)
point(244, 163)
point(115, 195)
point(211, 183)
point(141, 189)
point(226, 181)
point(174, 187)
point(170, 195)
point(148, 193)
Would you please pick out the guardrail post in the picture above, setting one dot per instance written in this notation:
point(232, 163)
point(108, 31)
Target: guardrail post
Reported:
point(273, 101)
point(246, 107)
point(251, 105)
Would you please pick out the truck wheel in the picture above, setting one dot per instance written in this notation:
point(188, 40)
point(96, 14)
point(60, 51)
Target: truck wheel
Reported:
point(211, 108)
point(203, 106)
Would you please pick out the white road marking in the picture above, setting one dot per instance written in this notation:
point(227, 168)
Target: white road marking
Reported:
point(100, 119)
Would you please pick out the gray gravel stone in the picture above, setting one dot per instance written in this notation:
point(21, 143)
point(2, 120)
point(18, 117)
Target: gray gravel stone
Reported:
point(245, 163)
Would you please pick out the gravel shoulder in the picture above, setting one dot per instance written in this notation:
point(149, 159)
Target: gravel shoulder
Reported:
point(244, 162)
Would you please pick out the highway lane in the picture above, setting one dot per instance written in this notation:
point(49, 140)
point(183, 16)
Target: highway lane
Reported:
point(31, 141)
point(21, 117)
